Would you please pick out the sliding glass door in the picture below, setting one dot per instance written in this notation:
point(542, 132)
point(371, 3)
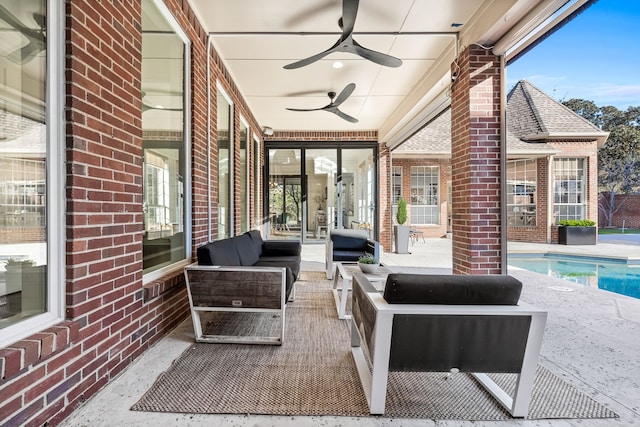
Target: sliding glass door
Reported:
point(314, 190)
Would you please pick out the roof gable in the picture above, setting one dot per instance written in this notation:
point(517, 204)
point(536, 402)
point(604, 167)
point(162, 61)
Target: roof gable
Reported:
point(531, 111)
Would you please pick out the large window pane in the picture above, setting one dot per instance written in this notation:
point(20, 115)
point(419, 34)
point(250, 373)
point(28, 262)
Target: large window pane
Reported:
point(23, 162)
point(164, 147)
point(224, 165)
point(521, 192)
point(244, 177)
point(425, 190)
point(569, 187)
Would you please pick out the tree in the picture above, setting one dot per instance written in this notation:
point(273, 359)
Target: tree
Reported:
point(619, 157)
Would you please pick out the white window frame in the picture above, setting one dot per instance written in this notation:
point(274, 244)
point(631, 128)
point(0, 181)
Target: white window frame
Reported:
point(583, 180)
point(417, 210)
point(171, 20)
point(55, 162)
point(232, 155)
point(249, 141)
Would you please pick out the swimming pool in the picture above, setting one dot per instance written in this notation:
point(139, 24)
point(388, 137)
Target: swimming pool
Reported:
point(612, 275)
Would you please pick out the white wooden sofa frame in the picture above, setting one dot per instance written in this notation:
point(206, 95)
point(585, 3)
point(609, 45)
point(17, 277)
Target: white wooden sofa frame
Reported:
point(374, 317)
point(237, 289)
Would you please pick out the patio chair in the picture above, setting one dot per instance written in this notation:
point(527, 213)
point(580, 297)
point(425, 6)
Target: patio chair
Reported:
point(446, 323)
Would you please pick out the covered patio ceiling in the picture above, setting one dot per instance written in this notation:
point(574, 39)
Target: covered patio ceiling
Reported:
point(256, 39)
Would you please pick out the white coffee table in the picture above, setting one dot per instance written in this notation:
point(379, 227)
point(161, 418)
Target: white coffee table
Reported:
point(345, 272)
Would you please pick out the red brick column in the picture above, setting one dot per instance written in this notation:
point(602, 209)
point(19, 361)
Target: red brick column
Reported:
point(385, 232)
point(475, 152)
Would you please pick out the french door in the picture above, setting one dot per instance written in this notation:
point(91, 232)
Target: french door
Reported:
point(315, 189)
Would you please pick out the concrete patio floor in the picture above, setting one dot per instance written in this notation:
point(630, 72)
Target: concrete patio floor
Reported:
point(591, 340)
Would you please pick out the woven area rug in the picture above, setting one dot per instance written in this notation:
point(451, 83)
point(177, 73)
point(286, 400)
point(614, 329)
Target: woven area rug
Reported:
point(313, 373)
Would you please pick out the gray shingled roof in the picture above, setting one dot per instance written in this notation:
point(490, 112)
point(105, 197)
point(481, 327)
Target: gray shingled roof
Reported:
point(531, 111)
point(530, 114)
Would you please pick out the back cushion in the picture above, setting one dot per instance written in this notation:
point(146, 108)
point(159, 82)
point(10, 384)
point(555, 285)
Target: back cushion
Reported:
point(220, 252)
point(256, 239)
point(246, 249)
point(349, 239)
point(452, 289)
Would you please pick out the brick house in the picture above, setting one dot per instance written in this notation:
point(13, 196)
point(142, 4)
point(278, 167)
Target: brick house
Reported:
point(551, 169)
point(125, 144)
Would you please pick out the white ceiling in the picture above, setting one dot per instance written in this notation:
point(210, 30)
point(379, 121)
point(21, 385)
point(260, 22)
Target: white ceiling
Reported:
point(256, 38)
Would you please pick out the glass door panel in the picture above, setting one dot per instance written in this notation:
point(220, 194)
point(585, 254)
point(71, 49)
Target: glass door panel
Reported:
point(321, 168)
point(358, 204)
point(285, 194)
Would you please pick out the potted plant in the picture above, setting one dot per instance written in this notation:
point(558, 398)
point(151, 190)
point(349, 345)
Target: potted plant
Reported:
point(577, 232)
point(368, 264)
point(401, 230)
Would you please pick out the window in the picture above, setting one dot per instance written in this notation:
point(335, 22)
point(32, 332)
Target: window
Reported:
point(396, 184)
point(244, 176)
point(425, 183)
point(569, 196)
point(165, 136)
point(521, 192)
point(225, 168)
point(31, 141)
point(256, 182)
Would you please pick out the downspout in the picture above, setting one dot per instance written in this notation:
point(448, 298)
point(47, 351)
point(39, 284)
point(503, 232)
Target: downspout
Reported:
point(503, 166)
point(209, 209)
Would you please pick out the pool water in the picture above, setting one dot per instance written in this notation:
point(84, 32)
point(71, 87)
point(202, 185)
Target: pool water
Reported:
point(611, 275)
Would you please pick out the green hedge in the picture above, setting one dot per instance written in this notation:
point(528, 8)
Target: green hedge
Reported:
point(576, 223)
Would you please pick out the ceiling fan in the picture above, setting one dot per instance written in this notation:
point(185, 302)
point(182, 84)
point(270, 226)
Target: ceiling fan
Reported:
point(37, 39)
point(346, 43)
point(332, 107)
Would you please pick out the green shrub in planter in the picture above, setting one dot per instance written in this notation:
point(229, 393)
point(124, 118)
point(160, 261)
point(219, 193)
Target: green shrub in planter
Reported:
point(576, 223)
point(577, 232)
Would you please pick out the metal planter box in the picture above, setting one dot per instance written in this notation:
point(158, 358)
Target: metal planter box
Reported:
point(577, 235)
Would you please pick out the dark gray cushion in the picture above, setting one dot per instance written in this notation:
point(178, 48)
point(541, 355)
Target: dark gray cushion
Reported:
point(349, 240)
point(346, 255)
point(246, 250)
point(281, 248)
point(220, 252)
point(452, 289)
point(256, 238)
point(291, 263)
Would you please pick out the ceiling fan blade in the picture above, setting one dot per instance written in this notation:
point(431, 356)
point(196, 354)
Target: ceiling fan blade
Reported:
point(344, 116)
point(377, 57)
point(349, 12)
point(26, 53)
point(11, 19)
point(311, 59)
point(346, 93)
point(306, 109)
point(147, 107)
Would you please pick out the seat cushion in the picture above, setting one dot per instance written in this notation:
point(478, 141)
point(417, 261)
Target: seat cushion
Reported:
point(346, 255)
point(290, 262)
point(452, 289)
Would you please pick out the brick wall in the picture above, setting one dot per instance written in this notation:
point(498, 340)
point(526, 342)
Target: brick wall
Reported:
point(475, 153)
point(444, 165)
point(112, 316)
point(628, 213)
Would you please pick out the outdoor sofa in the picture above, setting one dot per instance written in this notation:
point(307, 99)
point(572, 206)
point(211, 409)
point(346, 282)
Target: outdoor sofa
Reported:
point(446, 323)
point(347, 246)
point(243, 274)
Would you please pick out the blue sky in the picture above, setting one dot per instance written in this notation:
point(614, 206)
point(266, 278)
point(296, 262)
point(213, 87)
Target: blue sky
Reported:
point(595, 57)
